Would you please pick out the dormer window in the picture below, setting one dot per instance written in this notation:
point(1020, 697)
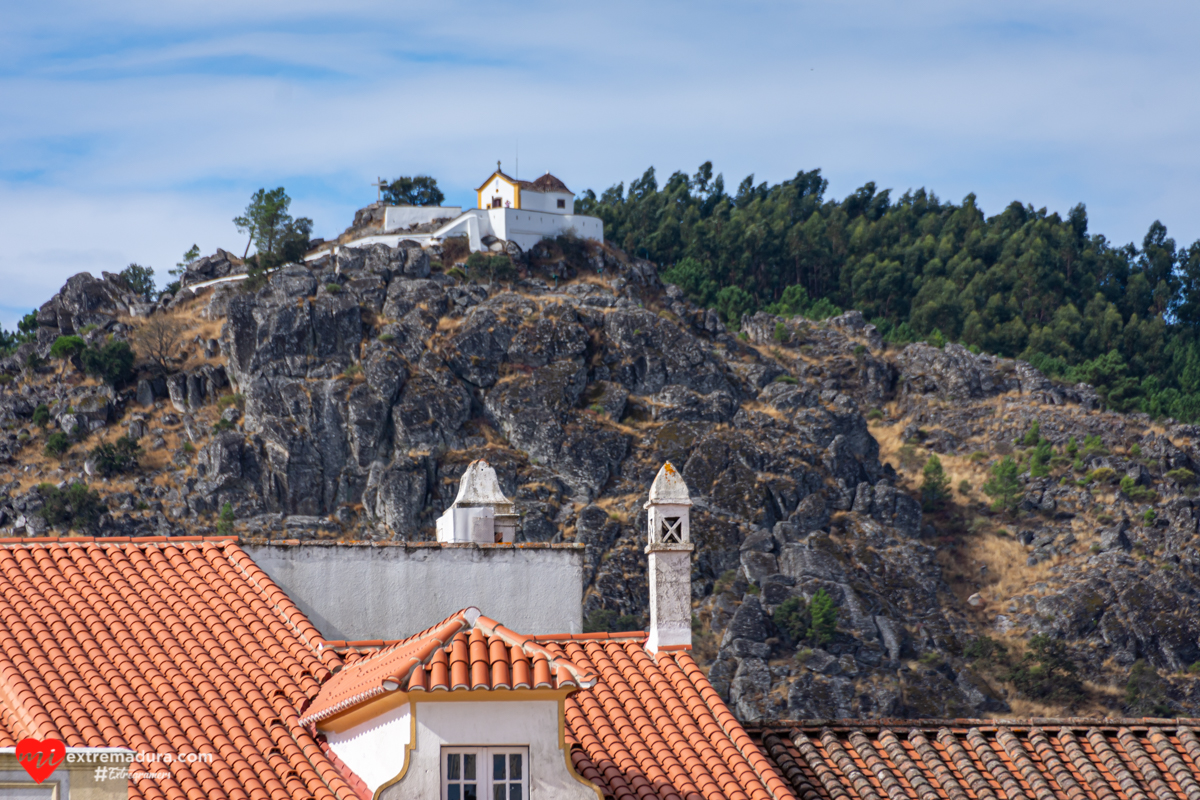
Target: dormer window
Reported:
point(485, 773)
point(672, 530)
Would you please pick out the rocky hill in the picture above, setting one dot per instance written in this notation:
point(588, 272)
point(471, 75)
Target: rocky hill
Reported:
point(344, 397)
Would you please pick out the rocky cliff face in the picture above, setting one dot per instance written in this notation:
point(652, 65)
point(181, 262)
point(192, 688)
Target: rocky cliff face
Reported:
point(345, 397)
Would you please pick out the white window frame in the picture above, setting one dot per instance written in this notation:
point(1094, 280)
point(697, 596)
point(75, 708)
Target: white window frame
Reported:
point(483, 760)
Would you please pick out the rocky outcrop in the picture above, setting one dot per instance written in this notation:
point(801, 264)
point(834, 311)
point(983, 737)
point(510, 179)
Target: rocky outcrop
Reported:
point(220, 264)
point(354, 390)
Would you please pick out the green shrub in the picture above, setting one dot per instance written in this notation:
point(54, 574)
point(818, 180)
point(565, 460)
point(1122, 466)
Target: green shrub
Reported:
point(456, 272)
point(1072, 447)
point(937, 339)
point(41, 415)
point(964, 486)
point(67, 346)
point(860, 350)
point(189, 448)
point(781, 333)
point(1146, 692)
point(874, 414)
point(791, 617)
point(57, 444)
point(1093, 445)
point(225, 521)
point(824, 616)
point(725, 582)
point(977, 456)
point(120, 456)
point(1183, 476)
point(222, 425)
point(491, 268)
point(386, 338)
point(234, 399)
point(1136, 450)
point(986, 651)
point(1148, 517)
point(76, 507)
point(1102, 475)
point(333, 288)
point(785, 379)
point(1032, 436)
point(604, 620)
point(1046, 672)
point(113, 363)
point(1136, 493)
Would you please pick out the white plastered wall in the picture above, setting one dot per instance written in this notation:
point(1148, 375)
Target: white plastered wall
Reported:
point(396, 217)
point(547, 202)
point(527, 228)
point(375, 749)
point(391, 591)
point(524, 723)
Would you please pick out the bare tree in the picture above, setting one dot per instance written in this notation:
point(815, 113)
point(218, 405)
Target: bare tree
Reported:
point(157, 339)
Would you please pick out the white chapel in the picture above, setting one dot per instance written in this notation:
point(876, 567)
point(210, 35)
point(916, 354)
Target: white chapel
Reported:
point(508, 209)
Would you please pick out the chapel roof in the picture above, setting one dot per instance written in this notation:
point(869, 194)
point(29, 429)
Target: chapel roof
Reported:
point(546, 183)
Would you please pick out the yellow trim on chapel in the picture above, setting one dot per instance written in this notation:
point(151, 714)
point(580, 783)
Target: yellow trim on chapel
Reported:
point(516, 186)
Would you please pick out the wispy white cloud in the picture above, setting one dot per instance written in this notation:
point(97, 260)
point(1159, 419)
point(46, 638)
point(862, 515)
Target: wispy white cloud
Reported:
point(132, 129)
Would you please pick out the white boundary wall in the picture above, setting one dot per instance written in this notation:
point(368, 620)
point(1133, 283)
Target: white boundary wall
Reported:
point(397, 217)
point(363, 591)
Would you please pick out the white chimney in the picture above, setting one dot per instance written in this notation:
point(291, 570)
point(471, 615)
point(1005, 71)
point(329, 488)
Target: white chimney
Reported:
point(480, 513)
point(670, 550)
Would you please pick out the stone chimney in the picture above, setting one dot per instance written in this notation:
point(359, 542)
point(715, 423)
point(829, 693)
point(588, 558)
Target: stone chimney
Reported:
point(670, 550)
point(480, 513)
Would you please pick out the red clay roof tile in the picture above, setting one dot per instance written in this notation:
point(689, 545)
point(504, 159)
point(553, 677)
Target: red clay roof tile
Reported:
point(177, 645)
point(1071, 759)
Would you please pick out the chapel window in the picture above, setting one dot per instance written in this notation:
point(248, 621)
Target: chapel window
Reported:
point(496, 202)
point(562, 203)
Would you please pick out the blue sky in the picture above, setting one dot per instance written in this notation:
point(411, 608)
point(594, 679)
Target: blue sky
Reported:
point(130, 130)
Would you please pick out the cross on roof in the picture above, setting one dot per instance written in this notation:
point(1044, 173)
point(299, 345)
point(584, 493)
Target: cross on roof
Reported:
point(380, 184)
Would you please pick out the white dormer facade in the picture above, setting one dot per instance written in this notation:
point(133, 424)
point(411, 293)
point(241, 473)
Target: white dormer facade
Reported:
point(480, 513)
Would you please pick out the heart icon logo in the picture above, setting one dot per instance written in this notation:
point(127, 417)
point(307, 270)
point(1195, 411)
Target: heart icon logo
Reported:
point(40, 758)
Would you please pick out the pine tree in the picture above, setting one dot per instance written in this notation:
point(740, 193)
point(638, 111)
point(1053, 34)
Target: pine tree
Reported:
point(935, 488)
point(1004, 487)
point(824, 616)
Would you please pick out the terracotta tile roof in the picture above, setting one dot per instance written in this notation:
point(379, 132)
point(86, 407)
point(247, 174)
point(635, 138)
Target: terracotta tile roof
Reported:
point(639, 726)
point(546, 183)
point(1038, 759)
point(464, 652)
point(654, 727)
point(177, 645)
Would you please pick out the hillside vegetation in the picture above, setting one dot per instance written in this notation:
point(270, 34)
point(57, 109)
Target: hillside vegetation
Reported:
point(1024, 283)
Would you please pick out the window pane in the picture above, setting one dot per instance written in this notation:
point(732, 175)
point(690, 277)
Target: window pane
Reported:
point(498, 766)
point(453, 792)
point(452, 767)
point(514, 792)
point(499, 790)
point(469, 766)
point(514, 766)
point(469, 792)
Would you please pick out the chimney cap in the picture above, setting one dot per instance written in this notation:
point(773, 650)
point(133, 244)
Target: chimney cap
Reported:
point(479, 487)
point(668, 487)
